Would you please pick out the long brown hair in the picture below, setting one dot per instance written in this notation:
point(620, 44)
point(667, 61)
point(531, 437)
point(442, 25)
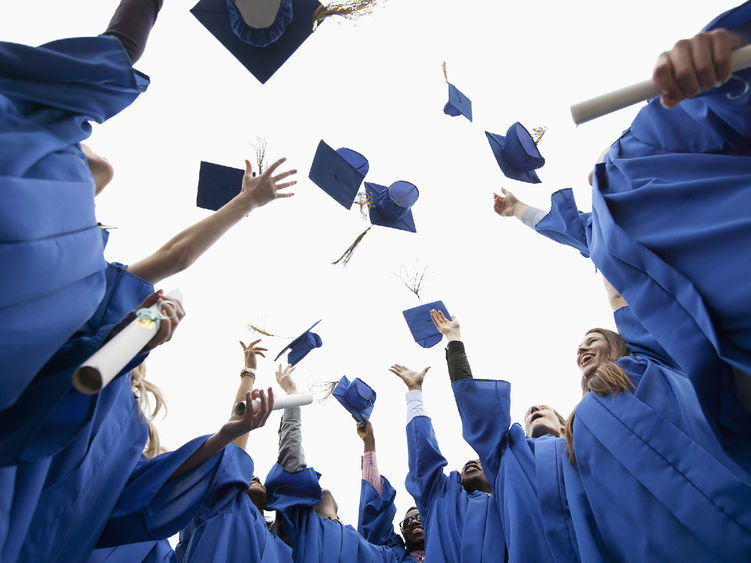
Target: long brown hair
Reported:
point(142, 389)
point(608, 378)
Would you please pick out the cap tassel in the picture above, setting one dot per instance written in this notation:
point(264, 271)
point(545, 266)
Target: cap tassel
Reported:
point(260, 148)
point(365, 202)
point(414, 282)
point(344, 258)
point(349, 9)
point(445, 74)
point(537, 134)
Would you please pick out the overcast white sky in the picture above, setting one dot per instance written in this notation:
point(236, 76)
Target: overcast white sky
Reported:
point(375, 86)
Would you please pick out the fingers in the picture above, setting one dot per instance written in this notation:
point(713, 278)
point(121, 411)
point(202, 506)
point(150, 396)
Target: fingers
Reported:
point(423, 372)
point(283, 175)
point(270, 170)
point(151, 299)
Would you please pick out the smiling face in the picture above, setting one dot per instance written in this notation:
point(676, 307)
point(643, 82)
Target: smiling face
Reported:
point(412, 530)
point(592, 351)
point(473, 478)
point(542, 419)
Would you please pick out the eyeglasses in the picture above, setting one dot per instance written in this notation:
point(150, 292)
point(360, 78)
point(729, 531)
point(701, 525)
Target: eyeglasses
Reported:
point(409, 520)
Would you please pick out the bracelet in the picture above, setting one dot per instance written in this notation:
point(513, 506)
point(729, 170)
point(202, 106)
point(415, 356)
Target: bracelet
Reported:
point(248, 371)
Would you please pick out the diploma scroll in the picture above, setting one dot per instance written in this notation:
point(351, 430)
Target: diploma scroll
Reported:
point(619, 99)
point(102, 367)
point(294, 400)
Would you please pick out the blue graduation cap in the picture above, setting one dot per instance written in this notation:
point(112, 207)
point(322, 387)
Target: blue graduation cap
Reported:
point(260, 36)
point(421, 325)
point(301, 345)
point(338, 172)
point(517, 153)
point(356, 396)
point(217, 185)
point(458, 103)
point(392, 206)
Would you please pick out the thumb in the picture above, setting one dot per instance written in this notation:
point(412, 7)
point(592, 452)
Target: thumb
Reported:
point(248, 168)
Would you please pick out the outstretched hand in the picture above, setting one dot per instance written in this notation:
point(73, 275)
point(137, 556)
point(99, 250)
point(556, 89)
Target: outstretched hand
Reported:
point(694, 65)
point(449, 328)
point(259, 190)
point(247, 419)
point(506, 205)
point(284, 379)
point(251, 351)
point(412, 379)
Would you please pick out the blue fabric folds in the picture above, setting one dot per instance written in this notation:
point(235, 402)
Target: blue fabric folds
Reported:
point(50, 246)
point(228, 528)
point(143, 552)
point(260, 37)
point(315, 539)
point(459, 527)
point(375, 520)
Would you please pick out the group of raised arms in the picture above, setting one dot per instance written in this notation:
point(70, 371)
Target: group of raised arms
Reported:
point(653, 464)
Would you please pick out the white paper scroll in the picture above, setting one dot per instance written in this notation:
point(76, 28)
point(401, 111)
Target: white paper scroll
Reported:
point(101, 368)
point(619, 99)
point(295, 400)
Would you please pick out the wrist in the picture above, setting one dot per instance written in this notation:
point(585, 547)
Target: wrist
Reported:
point(368, 445)
point(519, 209)
point(453, 336)
point(414, 387)
point(248, 372)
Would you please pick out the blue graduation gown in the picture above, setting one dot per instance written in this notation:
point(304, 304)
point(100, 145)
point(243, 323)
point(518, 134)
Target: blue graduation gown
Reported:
point(670, 226)
point(315, 539)
point(228, 527)
point(98, 439)
point(648, 464)
point(375, 519)
point(459, 527)
point(523, 472)
point(143, 552)
point(53, 268)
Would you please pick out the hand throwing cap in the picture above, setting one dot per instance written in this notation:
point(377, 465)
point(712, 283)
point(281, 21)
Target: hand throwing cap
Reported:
point(217, 185)
point(261, 34)
point(517, 154)
point(301, 345)
point(458, 103)
point(339, 172)
point(392, 206)
point(355, 396)
point(421, 325)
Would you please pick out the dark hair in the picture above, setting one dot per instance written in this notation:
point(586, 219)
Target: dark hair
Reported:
point(608, 379)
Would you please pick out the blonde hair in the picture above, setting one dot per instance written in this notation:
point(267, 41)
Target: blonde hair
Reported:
point(142, 389)
point(608, 379)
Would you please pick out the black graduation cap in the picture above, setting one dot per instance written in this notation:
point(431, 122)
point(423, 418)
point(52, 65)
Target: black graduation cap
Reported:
point(262, 50)
point(217, 185)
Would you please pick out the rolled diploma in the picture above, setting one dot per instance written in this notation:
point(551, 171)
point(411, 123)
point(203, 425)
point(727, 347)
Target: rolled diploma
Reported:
point(619, 99)
point(102, 367)
point(294, 400)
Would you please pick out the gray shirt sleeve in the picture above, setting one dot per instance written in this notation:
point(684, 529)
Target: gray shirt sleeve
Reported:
point(291, 454)
point(532, 215)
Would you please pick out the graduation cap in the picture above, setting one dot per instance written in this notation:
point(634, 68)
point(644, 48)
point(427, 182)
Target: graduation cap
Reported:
point(458, 103)
point(217, 185)
point(338, 172)
point(392, 206)
point(262, 35)
point(421, 325)
point(301, 345)
point(355, 396)
point(517, 153)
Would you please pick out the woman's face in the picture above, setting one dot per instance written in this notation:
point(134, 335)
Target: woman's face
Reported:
point(592, 351)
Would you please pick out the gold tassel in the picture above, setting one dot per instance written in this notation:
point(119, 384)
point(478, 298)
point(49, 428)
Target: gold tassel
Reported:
point(322, 390)
point(445, 74)
point(260, 330)
point(344, 258)
point(537, 133)
point(348, 9)
point(365, 202)
point(414, 282)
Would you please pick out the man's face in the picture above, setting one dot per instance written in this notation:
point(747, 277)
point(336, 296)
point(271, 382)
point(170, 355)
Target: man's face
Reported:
point(541, 420)
point(412, 530)
point(473, 478)
point(257, 492)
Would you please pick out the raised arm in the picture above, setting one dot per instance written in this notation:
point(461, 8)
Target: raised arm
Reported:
point(291, 453)
point(508, 205)
point(247, 380)
point(456, 357)
point(369, 463)
point(238, 425)
point(185, 248)
point(615, 299)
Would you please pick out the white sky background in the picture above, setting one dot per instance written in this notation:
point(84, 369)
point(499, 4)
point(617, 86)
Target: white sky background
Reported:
point(375, 86)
